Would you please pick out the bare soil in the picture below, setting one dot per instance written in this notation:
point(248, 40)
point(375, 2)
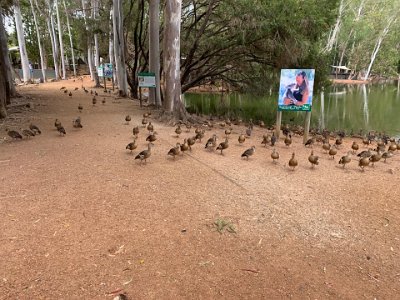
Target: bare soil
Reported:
point(81, 219)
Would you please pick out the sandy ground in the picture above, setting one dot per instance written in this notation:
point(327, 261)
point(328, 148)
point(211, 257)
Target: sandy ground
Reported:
point(81, 219)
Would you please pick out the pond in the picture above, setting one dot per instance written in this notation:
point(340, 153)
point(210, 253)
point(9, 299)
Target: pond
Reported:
point(347, 107)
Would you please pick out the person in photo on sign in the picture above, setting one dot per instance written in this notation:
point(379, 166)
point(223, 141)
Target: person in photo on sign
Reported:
point(297, 93)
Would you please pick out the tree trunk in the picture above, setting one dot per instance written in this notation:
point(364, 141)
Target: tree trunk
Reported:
point(70, 40)
point(4, 96)
point(89, 43)
point(64, 74)
point(111, 45)
point(10, 88)
point(21, 43)
point(119, 47)
point(154, 49)
point(173, 98)
point(42, 65)
point(335, 31)
point(96, 41)
point(54, 44)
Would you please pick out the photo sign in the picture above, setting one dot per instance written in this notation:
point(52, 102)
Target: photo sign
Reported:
point(296, 89)
point(105, 70)
point(147, 79)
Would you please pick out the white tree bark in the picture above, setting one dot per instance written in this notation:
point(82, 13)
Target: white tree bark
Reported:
point(96, 40)
point(70, 39)
point(111, 46)
point(377, 47)
point(335, 31)
point(173, 101)
point(64, 73)
point(42, 64)
point(119, 47)
point(7, 63)
point(21, 43)
point(54, 44)
point(154, 49)
point(89, 42)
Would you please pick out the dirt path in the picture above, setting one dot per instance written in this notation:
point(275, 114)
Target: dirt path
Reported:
point(81, 219)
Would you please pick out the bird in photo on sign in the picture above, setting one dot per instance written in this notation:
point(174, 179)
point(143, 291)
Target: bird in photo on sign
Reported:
point(184, 146)
point(175, 150)
point(224, 145)
point(57, 123)
point(273, 139)
point(274, 155)
point(212, 142)
point(76, 123)
point(145, 154)
point(94, 101)
point(346, 159)
point(131, 146)
point(152, 137)
point(35, 129)
point(332, 152)
point(135, 130)
point(363, 162)
point(15, 135)
point(241, 139)
point(28, 133)
point(150, 127)
point(249, 152)
point(178, 130)
point(293, 162)
point(313, 159)
point(80, 107)
point(288, 140)
point(355, 147)
point(127, 119)
point(266, 140)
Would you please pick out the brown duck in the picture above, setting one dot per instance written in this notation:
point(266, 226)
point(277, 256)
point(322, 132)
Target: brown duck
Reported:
point(288, 140)
point(211, 143)
point(127, 119)
point(345, 159)
point(249, 152)
point(375, 158)
point(332, 152)
point(131, 146)
point(175, 151)
point(145, 154)
point(152, 137)
point(355, 147)
point(293, 162)
point(274, 155)
point(363, 162)
point(135, 130)
point(242, 138)
point(313, 159)
point(224, 145)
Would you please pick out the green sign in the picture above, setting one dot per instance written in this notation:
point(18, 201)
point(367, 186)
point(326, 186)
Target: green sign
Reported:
point(147, 79)
point(108, 70)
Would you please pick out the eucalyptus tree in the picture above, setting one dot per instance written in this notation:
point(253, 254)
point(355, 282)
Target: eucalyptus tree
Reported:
point(60, 39)
point(70, 38)
point(119, 47)
point(41, 52)
point(10, 87)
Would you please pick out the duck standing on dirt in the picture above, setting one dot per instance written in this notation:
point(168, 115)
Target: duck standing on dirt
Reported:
point(332, 152)
point(57, 123)
point(309, 142)
point(266, 140)
point(293, 162)
point(288, 140)
point(15, 135)
point(344, 160)
point(274, 155)
point(191, 141)
point(76, 123)
point(178, 130)
point(184, 146)
point(363, 162)
point(355, 147)
point(94, 101)
point(80, 107)
point(144, 122)
point(35, 129)
point(249, 152)
point(127, 119)
point(175, 151)
point(131, 146)
point(61, 130)
point(273, 139)
point(224, 145)
point(241, 139)
point(135, 130)
point(152, 137)
point(150, 127)
point(28, 133)
point(145, 154)
point(211, 143)
point(375, 158)
point(313, 159)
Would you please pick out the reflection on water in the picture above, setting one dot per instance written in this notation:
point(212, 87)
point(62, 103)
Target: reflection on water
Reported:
point(366, 107)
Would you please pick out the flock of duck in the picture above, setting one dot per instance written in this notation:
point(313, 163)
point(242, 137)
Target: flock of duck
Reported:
point(379, 146)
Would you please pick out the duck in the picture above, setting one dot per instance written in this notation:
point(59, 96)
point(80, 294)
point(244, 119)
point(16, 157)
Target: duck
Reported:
point(375, 158)
point(76, 123)
point(274, 155)
point(135, 130)
point(184, 146)
point(76, 88)
point(175, 151)
point(262, 124)
point(211, 143)
point(248, 131)
point(131, 146)
point(127, 119)
point(144, 122)
point(363, 162)
point(355, 147)
point(228, 132)
point(224, 145)
point(392, 147)
point(35, 129)
point(386, 155)
point(61, 130)
point(103, 101)
point(293, 162)
point(150, 127)
point(62, 88)
point(273, 139)
point(332, 152)
point(288, 140)
point(310, 142)
point(146, 114)
point(313, 159)
point(326, 147)
point(28, 133)
point(188, 127)
point(344, 160)
point(365, 153)
point(152, 137)
point(200, 135)
point(145, 154)
point(94, 101)
point(178, 130)
point(15, 135)
point(191, 141)
point(80, 107)
point(95, 93)
point(266, 140)
point(70, 94)
point(57, 123)
point(65, 91)
point(249, 152)
point(339, 142)
point(241, 138)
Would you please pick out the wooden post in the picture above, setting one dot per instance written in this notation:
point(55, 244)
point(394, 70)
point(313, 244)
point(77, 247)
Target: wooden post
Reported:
point(113, 82)
point(307, 126)
point(140, 96)
point(278, 123)
point(105, 84)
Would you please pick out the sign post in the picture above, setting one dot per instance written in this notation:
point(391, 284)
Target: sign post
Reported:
point(146, 79)
point(295, 94)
